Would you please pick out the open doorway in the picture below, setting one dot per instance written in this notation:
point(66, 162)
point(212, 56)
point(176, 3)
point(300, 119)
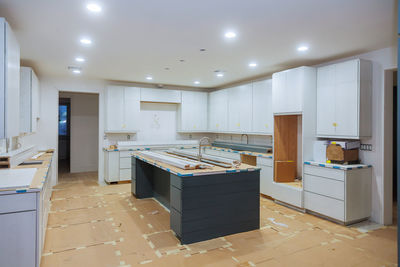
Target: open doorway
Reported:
point(78, 134)
point(64, 134)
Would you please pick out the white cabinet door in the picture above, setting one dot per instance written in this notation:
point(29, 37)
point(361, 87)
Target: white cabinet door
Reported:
point(194, 111)
point(25, 100)
point(160, 95)
point(346, 107)
point(278, 87)
point(218, 111)
point(115, 108)
point(18, 239)
point(262, 107)
point(347, 98)
point(294, 91)
point(240, 108)
point(35, 100)
point(111, 166)
point(326, 100)
point(131, 108)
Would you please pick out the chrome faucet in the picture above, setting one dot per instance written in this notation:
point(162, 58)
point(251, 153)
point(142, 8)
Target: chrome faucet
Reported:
point(247, 139)
point(201, 145)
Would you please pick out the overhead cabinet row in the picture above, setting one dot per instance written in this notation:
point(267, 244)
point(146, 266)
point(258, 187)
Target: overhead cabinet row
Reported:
point(343, 100)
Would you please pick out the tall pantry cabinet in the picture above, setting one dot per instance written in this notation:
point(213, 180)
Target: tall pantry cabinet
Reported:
point(9, 81)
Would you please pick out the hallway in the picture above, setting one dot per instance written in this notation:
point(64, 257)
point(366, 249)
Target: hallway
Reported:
point(91, 225)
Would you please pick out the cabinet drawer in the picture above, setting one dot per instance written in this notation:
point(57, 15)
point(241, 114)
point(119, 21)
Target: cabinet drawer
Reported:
point(125, 174)
point(125, 154)
point(324, 205)
point(264, 161)
point(17, 202)
point(324, 172)
point(327, 187)
point(124, 163)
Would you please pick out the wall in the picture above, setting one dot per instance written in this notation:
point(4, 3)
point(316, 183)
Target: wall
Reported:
point(84, 131)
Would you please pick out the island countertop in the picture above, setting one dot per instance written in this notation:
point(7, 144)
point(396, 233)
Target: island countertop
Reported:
point(197, 172)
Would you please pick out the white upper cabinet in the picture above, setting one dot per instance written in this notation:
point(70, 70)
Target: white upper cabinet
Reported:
point(9, 81)
point(218, 111)
point(193, 111)
point(160, 95)
point(122, 109)
point(29, 100)
point(289, 88)
point(262, 107)
point(240, 108)
point(344, 95)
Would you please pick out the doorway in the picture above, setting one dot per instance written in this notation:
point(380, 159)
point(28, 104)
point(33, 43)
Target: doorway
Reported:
point(64, 134)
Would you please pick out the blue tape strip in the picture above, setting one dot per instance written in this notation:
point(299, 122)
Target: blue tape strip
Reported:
point(336, 167)
point(21, 191)
point(322, 165)
point(308, 163)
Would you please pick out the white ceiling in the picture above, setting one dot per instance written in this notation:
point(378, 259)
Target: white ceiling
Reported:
point(136, 38)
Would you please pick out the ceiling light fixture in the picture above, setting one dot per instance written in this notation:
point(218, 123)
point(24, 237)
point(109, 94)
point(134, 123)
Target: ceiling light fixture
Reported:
point(252, 65)
point(86, 41)
point(76, 71)
point(302, 48)
point(79, 59)
point(149, 78)
point(95, 8)
point(196, 82)
point(230, 35)
point(220, 75)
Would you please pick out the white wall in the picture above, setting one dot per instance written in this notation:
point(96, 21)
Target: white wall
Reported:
point(84, 131)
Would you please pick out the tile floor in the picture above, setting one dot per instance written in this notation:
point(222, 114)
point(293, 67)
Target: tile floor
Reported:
point(91, 225)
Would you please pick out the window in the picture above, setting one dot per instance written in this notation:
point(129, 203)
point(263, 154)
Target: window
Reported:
point(62, 122)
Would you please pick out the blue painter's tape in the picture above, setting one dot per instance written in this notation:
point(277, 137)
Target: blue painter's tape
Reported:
point(184, 175)
point(336, 167)
point(235, 151)
point(115, 149)
point(308, 163)
point(349, 168)
point(168, 169)
point(360, 167)
point(369, 166)
point(21, 191)
point(230, 171)
point(322, 165)
point(147, 148)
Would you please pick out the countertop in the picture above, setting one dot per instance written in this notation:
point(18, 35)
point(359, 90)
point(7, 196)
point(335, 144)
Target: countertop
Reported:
point(256, 154)
point(186, 173)
point(39, 177)
point(338, 166)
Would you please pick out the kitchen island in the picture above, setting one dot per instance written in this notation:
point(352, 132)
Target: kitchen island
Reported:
point(203, 203)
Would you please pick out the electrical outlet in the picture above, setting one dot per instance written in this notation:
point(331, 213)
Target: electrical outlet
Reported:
point(366, 147)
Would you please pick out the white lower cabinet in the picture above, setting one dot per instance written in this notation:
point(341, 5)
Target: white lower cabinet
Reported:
point(342, 195)
point(117, 166)
point(266, 176)
point(23, 223)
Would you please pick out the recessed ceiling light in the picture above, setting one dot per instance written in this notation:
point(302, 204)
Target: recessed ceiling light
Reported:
point(302, 48)
point(86, 41)
point(149, 78)
point(93, 7)
point(196, 82)
point(79, 59)
point(202, 49)
point(230, 34)
point(220, 75)
point(252, 65)
point(76, 71)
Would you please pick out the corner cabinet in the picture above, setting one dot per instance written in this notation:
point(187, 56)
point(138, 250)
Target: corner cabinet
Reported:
point(9, 81)
point(218, 111)
point(122, 109)
point(117, 166)
point(289, 88)
point(262, 107)
point(29, 100)
point(344, 99)
point(193, 111)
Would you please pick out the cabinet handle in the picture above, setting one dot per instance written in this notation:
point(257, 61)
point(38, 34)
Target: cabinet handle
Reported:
point(334, 124)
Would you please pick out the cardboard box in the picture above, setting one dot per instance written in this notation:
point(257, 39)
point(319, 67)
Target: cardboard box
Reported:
point(335, 152)
point(285, 171)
